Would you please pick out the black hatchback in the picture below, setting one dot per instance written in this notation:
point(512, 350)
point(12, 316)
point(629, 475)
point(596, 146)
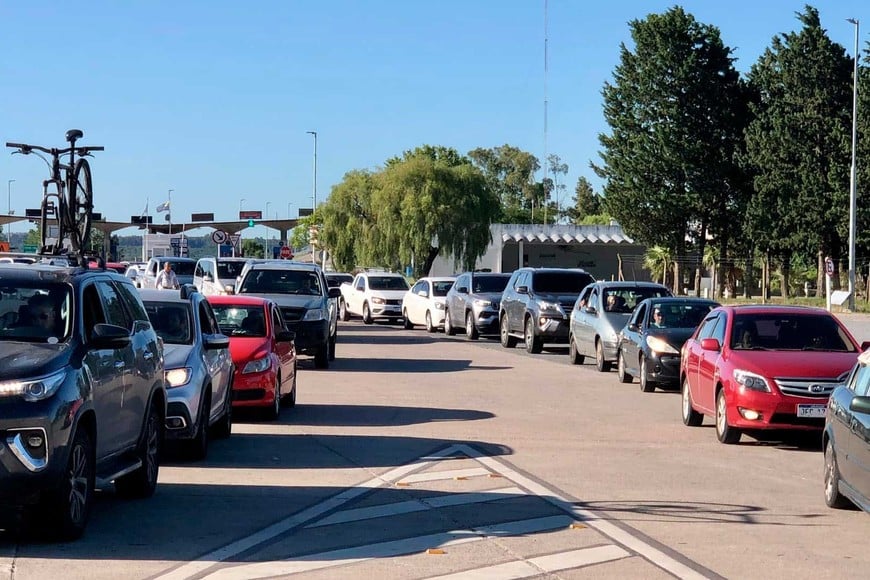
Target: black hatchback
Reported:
point(81, 391)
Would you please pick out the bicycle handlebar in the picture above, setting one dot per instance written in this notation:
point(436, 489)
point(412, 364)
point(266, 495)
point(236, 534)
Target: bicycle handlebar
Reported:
point(25, 148)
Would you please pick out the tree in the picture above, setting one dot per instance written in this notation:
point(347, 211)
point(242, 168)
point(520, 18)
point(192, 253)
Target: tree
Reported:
point(510, 174)
point(798, 146)
point(554, 187)
point(252, 248)
point(348, 221)
point(586, 202)
point(674, 110)
point(33, 238)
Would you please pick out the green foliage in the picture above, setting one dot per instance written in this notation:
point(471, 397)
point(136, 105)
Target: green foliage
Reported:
point(586, 202)
point(299, 236)
point(252, 249)
point(510, 175)
point(348, 221)
point(33, 238)
point(596, 219)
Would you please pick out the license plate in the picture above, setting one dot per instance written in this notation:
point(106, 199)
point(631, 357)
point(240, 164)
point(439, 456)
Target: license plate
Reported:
point(814, 411)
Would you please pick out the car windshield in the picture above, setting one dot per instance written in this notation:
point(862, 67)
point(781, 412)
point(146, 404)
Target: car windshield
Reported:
point(678, 314)
point(485, 284)
point(789, 332)
point(266, 281)
point(180, 268)
point(171, 321)
point(561, 282)
point(236, 320)
point(336, 280)
point(229, 270)
point(35, 312)
point(441, 287)
point(387, 283)
point(625, 299)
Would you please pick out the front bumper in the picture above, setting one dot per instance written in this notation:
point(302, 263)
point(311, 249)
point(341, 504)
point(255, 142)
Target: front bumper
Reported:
point(663, 369)
point(553, 330)
point(311, 336)
point(254, 389)
point(486, 321)
point(393, 309)
point(182, 408)
point(776, 411)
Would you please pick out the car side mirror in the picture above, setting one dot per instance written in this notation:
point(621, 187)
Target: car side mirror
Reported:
point(215, 342)
point(423, 294)
point(865, 345)
point(285, 336)
point(860, 405)
point(522, 289)
point(711, 344)
point(335, 292)
point(591, 310)
point(632, 326)
point(110, 336)
point(462, 290)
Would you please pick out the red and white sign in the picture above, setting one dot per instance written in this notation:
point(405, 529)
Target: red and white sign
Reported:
point(829, 267)
point(286, 252)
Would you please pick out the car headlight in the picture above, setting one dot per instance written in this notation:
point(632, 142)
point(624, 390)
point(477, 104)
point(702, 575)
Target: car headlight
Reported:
point(751, 381)
point(314, 314)
point(660, 346)
point(33, 390)
point(551, 307)
point(176, 377)
point(378, 300)
point(439, 306)
point(482, 303)
point(257, 365)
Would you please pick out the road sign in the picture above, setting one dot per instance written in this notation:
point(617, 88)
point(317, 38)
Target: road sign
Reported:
point(219, 237)
point(234, 240)
point(304, 211)
point(829, 267)
point(29, 248)
point(251, 215)
point(286, 252)
point(202, 217)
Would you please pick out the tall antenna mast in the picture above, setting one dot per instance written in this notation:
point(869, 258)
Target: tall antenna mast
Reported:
point(546, 103)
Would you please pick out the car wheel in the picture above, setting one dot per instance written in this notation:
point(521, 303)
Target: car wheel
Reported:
point(321, 358)
point(534, 345)
point(507, 340)
point(290, 399)
point(691, 417)
point(471, 332)
point(575, 357)
point(833, 497)
point(602, 365)
point(367, 315)
point(224, 428)
point(448, 326)
point(67, 508)
point(624, 377)
point(198, 446)
point(724, 432)
point(430, 328)
point(646, 385)
point(331, 353)
point(342, 312)
point(406, 322)
point(274, 410)
point(143, 482)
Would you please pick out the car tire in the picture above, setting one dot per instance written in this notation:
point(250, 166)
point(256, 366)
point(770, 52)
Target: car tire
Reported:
point(289, 400)
point(430, 328)
point(67, 508)
point(833, 497)
point(224, 428)
point(274, 410)
point(534, 345)
point(448, 325)
point(406, 322)
point(623, 376)
point(724, 432)
point(471, 332)
point(143, 482)
point(321, 358)
point(646, 385)
point(691, 417)
point(367, 314)
point(331, 352)
point(507, 341)
point(602, 365)
point(343, 314)
point(575, 357)
point(197, 448)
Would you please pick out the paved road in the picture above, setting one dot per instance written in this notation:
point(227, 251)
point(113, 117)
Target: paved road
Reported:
point(421, 456)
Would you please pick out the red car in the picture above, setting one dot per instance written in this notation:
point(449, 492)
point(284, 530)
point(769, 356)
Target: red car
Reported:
point(764, 367)
point(263, 352)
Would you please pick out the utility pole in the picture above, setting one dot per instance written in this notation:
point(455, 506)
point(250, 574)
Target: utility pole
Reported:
point(314, 194)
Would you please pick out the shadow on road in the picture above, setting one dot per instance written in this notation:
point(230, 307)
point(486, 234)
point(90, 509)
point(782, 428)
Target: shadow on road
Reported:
point(376, 415)
point(406, 365)
point(690, 512)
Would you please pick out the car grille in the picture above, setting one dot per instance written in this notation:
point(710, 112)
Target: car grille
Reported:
point(394, 302)
point(813, 388)
point(794, 421)
point(291, 314)
point(249, 394)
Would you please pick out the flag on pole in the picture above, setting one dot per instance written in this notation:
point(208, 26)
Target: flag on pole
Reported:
point(163, 206)
point(145, 211)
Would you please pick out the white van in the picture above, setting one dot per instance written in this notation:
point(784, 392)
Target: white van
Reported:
point(213, 276)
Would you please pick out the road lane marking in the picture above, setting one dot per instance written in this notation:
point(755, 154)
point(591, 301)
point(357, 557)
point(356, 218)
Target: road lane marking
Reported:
point(441, 475)
point(206, 561)
point(418, 544)
point(415, 505)
point(654, 555)
point(542, 564)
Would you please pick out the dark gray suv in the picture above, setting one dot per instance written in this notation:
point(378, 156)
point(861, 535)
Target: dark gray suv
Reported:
point(81, 391)
point(536, 305)
point(472, 303)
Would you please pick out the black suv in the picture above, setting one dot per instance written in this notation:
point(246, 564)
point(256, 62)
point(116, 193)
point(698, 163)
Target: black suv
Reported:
point(536, 306)
point(81, 391)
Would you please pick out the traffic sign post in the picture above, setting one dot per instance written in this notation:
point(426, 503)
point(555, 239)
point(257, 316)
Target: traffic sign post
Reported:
point(219, 237)
point(829, 272)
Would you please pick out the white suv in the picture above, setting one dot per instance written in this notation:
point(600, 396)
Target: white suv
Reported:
point(213, 276)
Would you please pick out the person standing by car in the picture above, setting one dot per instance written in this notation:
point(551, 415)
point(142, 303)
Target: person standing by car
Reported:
point(166, 279)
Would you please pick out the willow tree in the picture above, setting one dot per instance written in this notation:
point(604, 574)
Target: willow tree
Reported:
point(348, 221)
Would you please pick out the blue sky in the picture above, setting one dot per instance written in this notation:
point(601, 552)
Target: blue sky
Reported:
point(213, 98)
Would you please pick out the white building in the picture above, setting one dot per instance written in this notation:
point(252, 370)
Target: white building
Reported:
point(597, 249)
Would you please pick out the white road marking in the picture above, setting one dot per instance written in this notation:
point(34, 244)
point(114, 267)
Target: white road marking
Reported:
point(616, 533)
point(415, 505)
point(441, 475)
point(402, 547)
point(208, 560)
point(541, 564)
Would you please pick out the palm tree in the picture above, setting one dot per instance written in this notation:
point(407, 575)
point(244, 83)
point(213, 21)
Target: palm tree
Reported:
point(657, 259)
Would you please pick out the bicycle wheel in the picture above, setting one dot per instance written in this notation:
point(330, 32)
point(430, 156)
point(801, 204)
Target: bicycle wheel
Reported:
point(52, 210)
point(79, 205)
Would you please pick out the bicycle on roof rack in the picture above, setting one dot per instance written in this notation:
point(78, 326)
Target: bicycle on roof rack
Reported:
point(67, 197)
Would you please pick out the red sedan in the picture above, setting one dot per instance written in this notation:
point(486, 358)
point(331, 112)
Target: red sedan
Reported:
point(263, 352)
point(764, 367)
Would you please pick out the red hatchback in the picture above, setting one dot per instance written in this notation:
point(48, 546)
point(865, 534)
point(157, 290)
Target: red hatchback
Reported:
point(764, 367)
point(263, 352)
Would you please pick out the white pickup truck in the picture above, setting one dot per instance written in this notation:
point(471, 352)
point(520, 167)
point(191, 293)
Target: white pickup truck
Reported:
point(373, 295)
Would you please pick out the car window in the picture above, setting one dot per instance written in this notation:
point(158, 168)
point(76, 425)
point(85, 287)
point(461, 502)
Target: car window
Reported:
point(115, 313)
point(35, 312)
point(238, 320)
point(583, 299)
point(861, 381)
point(277, 322)
point(92, 309)
point(181, 268)
point(593, 298)
point(687, 315)
point(336, 280)
point(561, 282)
point(229, 269)
point(207, 321)
point(789, 331)
point(171, 321)
point(361, 284)
point(387, 283)
point(199, 270)
point(282, 281)
point(441, 288)
point(638, 316)
point(132, 302)
point(481, 283)
point(707, 327)
point(719, 329)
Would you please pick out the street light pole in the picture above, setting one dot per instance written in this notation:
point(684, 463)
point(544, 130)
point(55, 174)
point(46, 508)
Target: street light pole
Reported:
point(241, 201)
point(853, 181)
point(265, 217)
point(314, 194)
point(9, 209)
point(169, 214)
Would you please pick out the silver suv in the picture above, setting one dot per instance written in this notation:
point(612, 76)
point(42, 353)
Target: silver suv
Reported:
point(473, 303)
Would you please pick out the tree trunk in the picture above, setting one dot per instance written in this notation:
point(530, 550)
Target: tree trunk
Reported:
point(765, 277)
point(698, 270)
point(430, 259)
point(785, 274)
point(820, 277)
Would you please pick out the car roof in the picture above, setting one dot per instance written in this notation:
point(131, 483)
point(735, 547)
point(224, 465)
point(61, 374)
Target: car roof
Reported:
point(775, 309)
point(41, 272)
point(172, 259)
point(154, 295)
point(680, 299)
point(439, 278)
point(241, 300)
point(530, 269)
point(627, 284)
point(284, 265)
